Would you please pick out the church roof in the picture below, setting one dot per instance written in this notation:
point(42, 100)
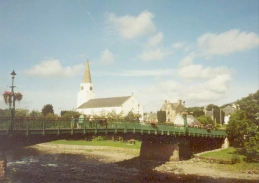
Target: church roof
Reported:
point(104, 102)
point(87, 75)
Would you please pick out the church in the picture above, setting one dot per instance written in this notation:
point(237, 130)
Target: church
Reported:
point(89, 105)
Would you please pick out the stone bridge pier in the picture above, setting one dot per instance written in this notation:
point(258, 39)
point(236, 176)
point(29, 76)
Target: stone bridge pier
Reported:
point(157, 150)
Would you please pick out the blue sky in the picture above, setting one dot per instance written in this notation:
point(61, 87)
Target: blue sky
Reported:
point(202, 52)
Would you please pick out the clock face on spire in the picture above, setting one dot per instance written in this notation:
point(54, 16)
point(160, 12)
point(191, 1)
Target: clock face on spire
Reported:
point(91, 88)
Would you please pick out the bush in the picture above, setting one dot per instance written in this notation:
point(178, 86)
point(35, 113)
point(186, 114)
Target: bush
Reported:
point(235, 159)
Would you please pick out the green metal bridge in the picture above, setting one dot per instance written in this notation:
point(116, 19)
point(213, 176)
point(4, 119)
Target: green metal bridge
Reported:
point(29, 126)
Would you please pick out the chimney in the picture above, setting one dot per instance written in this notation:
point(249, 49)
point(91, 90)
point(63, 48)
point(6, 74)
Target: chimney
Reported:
point(180, 102)
point(165, 101)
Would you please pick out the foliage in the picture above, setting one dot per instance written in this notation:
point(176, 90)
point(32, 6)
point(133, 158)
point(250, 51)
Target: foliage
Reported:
point(195, 111)
point(251, 143)
point(130, 117)
point(243, 130)
point(161, 116)
point(35, 114)
point(250, 104)
point(235, 159)
point(4, 113)
point(205, 120)
point(47, 109)
point(114, 116)
point(8, 97)
point(51, 117)
point(21, 113)
point(70, 114)
point(237, 128)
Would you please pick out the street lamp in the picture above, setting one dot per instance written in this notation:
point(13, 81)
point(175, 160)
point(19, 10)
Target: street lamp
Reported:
point(138, 112)
point(13, 74)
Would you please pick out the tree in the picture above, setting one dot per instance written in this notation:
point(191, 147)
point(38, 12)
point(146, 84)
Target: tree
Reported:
point(237, 128)
point(114, 116)
point(205, 120)
point(161, 116)
point(35, 114)
point(130, 117)
point(70, 114)
point(47, 109)
point(21, 113)
point(195, 111)
point(243, 130)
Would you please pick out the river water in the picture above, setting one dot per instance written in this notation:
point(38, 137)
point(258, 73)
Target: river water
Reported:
point(39, 165)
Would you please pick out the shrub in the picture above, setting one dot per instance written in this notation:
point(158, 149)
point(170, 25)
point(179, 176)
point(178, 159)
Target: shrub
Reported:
point(235, 159)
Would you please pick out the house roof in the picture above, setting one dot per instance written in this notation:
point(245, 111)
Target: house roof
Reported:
point(104, 102)
point(228, 110)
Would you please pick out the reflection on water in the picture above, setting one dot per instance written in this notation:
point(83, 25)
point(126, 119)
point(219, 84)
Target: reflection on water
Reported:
point(32, 164)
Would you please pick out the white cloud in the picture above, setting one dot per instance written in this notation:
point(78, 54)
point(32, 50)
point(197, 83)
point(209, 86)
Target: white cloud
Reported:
point(148, 72)
point(107, 57)
point(53, 68)
point(178, 45)
point(155, 54)
point(133, 26)
point(188, 60)
point(226, 42)
point(157, 72)
point(191, 71)
point(155, 40)
point(219, 84)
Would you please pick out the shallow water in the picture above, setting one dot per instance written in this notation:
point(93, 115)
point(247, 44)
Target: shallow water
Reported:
point(33, 164)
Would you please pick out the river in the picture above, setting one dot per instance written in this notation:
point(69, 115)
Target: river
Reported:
point(34, 164)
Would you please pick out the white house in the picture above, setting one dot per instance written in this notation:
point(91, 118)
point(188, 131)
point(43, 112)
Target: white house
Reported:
point(191, 121)
point(89, 105)
point(228, 110)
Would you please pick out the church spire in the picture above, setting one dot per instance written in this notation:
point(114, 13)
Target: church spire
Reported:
point(87, 75)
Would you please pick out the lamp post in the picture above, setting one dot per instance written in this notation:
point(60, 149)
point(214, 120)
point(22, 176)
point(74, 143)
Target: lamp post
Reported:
point(138, 112)
point(12, 109)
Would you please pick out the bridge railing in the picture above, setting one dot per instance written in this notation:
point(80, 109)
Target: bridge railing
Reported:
point(107, 125)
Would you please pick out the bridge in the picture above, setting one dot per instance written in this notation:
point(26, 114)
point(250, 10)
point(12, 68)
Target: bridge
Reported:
point(162, 142)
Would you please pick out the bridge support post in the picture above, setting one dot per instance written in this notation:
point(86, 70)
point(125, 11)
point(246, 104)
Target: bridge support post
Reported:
point(3, 164)
point(159, 150)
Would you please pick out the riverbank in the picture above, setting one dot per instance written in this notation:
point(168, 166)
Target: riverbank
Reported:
point(129, 157)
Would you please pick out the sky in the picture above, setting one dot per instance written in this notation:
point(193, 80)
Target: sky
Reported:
point(202, 52)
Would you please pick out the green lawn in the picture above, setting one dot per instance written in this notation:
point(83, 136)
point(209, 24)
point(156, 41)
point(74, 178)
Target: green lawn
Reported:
point(228, 155)
point(137, 145)
point(225, 154)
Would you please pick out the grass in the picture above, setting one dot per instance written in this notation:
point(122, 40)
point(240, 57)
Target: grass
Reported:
point(110, 143)
point(228, 155)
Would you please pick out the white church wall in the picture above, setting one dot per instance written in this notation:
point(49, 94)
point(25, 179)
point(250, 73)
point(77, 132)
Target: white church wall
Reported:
point(98, 111)
point(133, 105)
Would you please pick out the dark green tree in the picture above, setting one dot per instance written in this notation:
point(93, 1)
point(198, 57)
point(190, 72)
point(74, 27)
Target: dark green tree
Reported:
point(195, 111)
point(216, 113)
point(47, 109)
point(237, 128)
point(130, 117)
point(161, 116)
point(243, 126)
